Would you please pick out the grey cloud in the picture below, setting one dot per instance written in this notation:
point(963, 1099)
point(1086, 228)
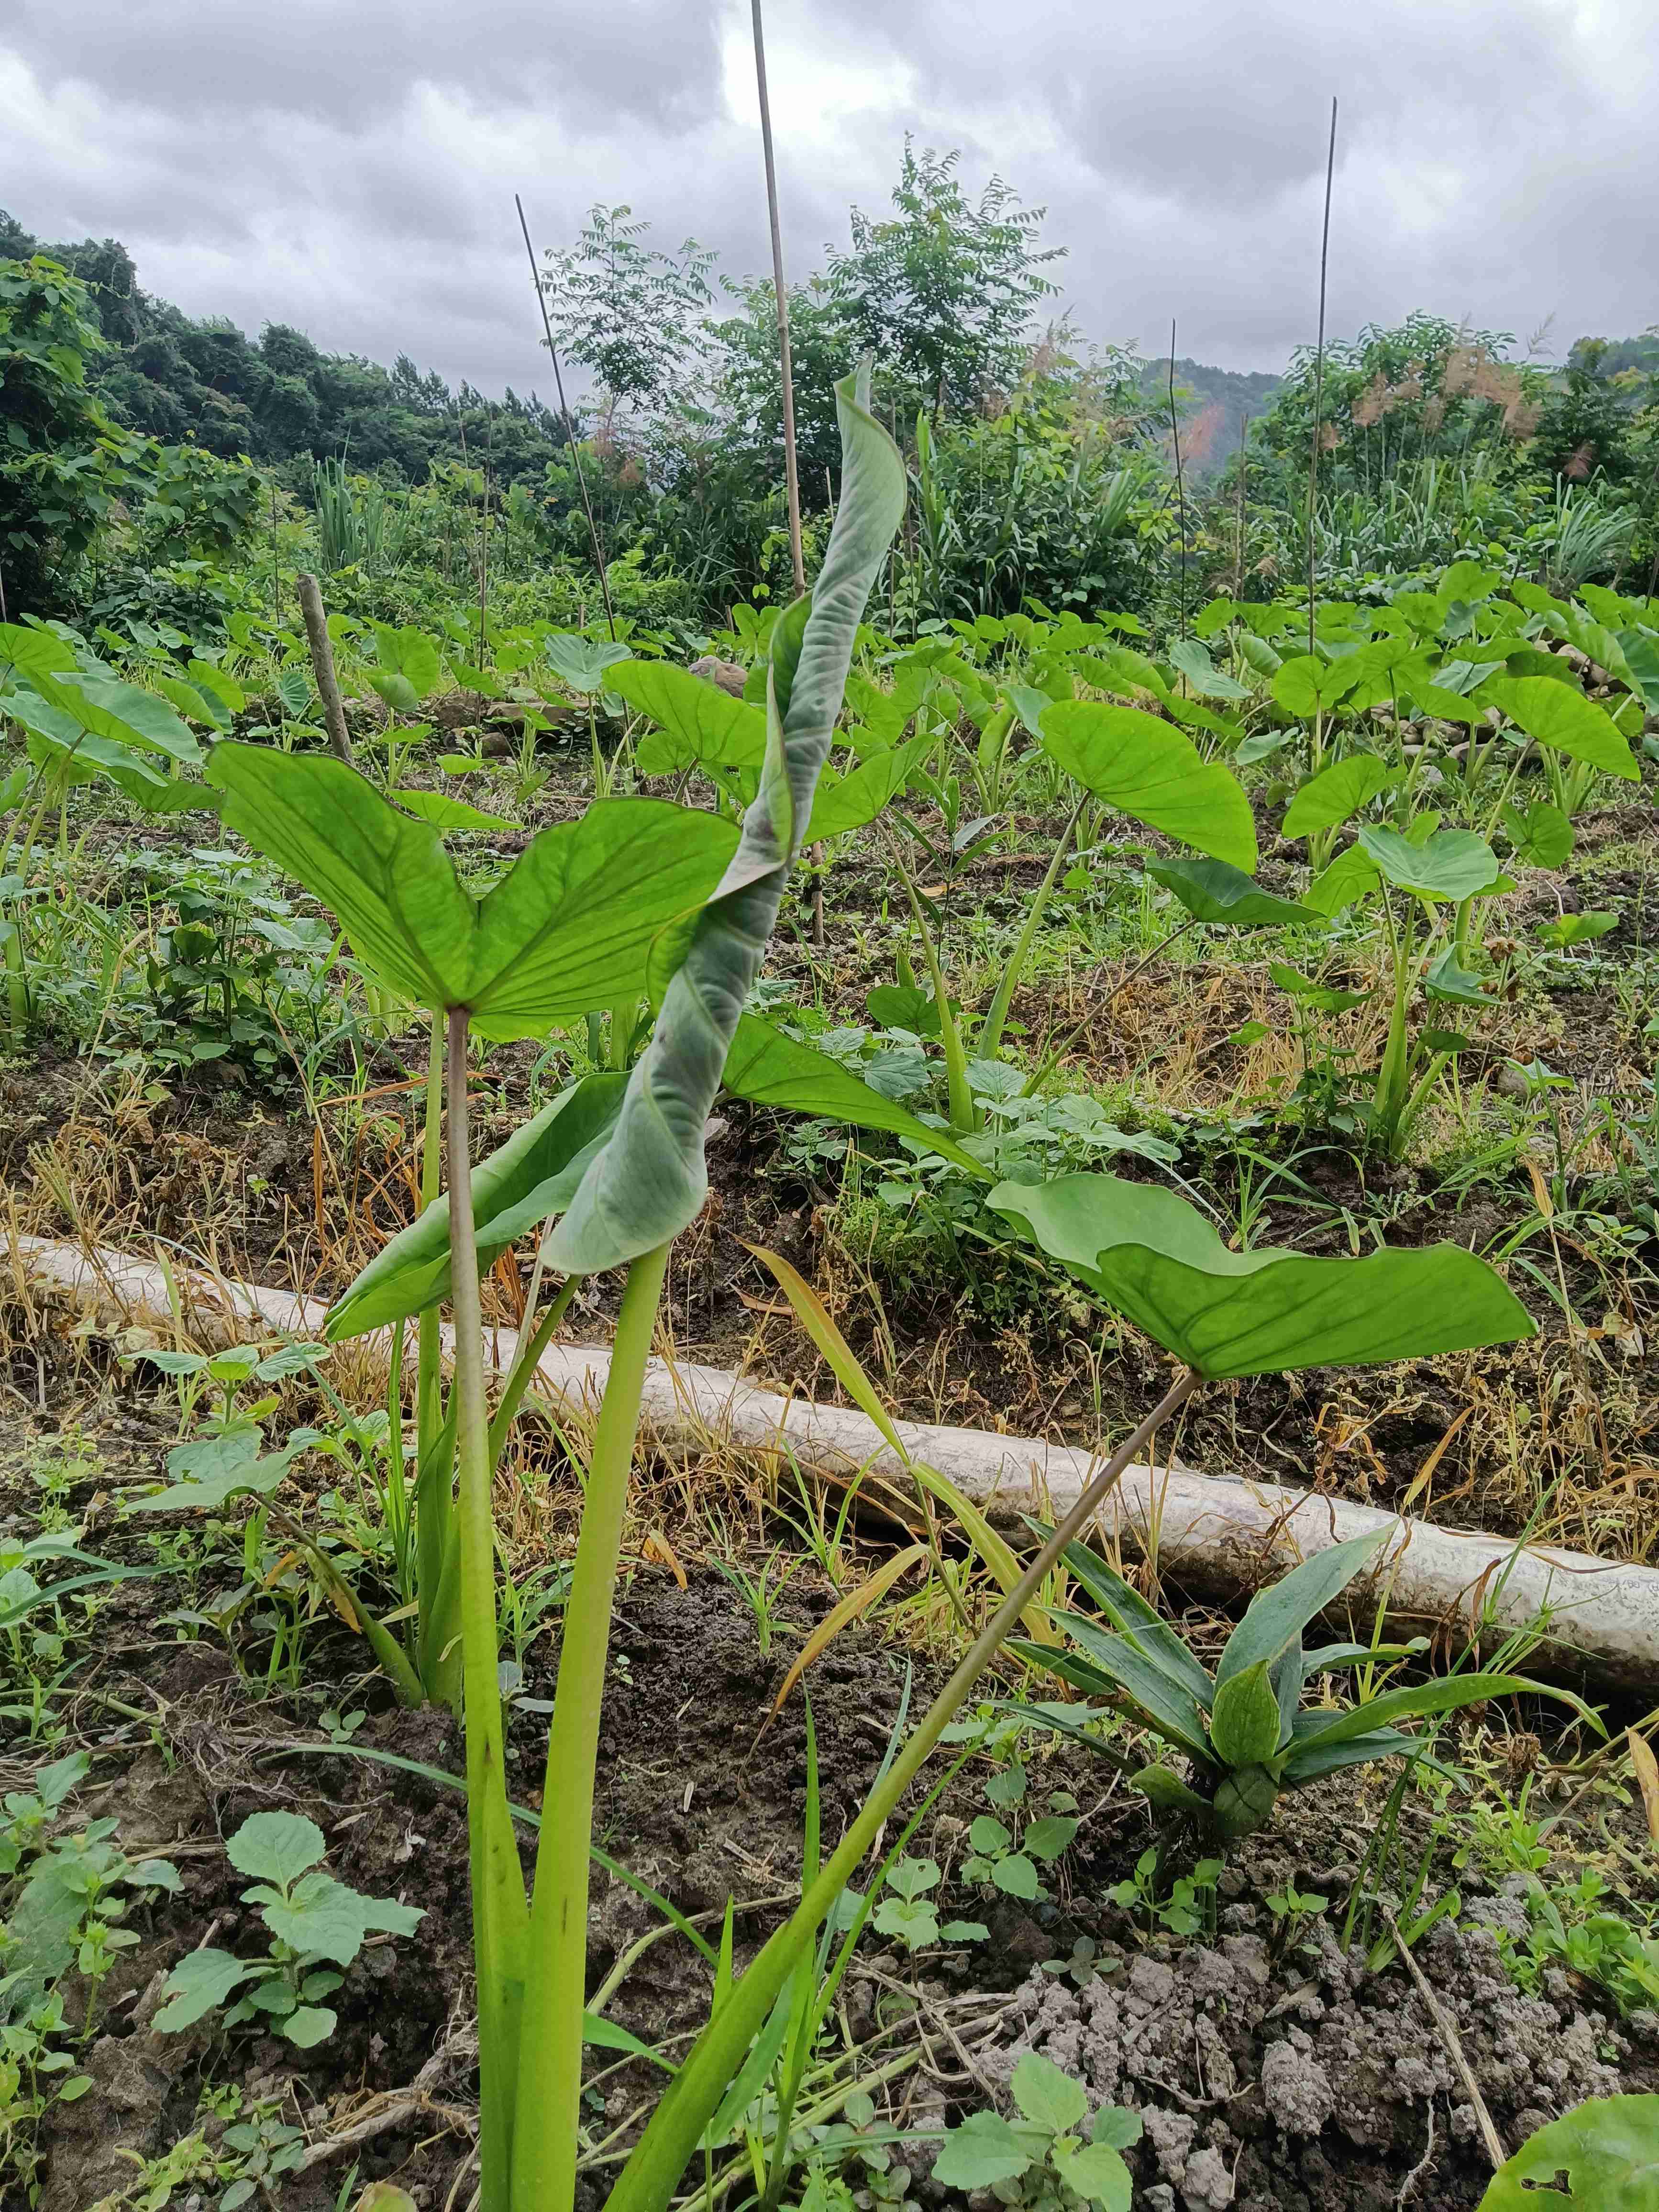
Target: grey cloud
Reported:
point(351, 169)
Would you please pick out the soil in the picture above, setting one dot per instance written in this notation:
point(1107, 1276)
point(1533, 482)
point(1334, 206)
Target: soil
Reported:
point(1267, 2076)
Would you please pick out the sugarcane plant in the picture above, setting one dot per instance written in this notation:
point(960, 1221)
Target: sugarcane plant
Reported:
point(640, 897)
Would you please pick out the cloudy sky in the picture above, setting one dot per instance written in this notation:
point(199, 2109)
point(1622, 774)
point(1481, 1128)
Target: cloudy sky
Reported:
point(348, 166)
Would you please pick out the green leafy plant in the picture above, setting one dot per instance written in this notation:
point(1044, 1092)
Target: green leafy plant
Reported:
point(1608, 2150)
point(1243, 1729)
point(316, 1925)
point(1045, 2145)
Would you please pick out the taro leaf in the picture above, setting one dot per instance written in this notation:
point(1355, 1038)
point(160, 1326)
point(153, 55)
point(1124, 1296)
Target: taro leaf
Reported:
point(443, 812)
point(1262, 746)
point(200, 1982)
point(650, 1179)
point(1244, 1726)
point(1336, 793)
point(121, 712)
point(1557, 715)
point(903, 1006)
point(410, 654)
point(580, 662)
point(1194, 661)
point(276, 1847)
point(530, 1178)
point(1029, 704)
point(773, 1070)
point(1453, 864)
point(1306, 686)
point(1542, 837)
point(697, 722)
point(80, 758)
point(1146, 768)
point(1609, 2149)
point(1214, 891)
point(1530, 660)
point(847, 802)
point(1576, 928)
point(1446, 978)
point(571, 926)
point(1275, 1617)
point(1149, 1253)
point(1642, 659)
point(1350, 877)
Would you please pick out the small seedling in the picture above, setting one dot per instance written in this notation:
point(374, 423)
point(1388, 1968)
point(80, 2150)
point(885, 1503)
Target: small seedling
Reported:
point(1292, 1910)
point(1045, 2145)
point(998, 1861)
point(911, 1915)
point(1190, 1905)
point(316, 1924)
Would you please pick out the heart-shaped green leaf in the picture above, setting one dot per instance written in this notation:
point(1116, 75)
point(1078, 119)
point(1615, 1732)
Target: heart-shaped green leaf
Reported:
point(1607, 2148)
point(1542, 837)
point(1336, 793)
point(1307, 686)
point(1147, 768)
point(570, 928)
point(1453, 864)
point(698, 723)
point(582, 662)
point(1559, 715)
point(1213, 892)
point(1350, 877)
point(1150, 1254)
point(847, 802)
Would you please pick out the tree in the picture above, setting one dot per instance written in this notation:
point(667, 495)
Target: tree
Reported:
point(944, 294)
point(628, 312)
point(747, 379)
point(62, 460)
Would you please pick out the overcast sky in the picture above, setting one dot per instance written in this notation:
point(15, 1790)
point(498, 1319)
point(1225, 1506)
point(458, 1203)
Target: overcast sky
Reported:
point(348, 166)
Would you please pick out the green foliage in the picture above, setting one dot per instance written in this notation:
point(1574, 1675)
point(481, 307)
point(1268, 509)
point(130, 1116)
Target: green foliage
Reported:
point(316, 1924)
point(1149, 1253)
point(1052, 2141)
point(1243, 1731)
point(944, 290)
point(63, 462)
point(1609, 2149)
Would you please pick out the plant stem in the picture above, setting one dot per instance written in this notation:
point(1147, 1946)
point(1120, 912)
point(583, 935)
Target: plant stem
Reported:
point(990, 1036)
point(675, 2129)
point(500, 1915)
point(550, 2067)
point(958, 1093)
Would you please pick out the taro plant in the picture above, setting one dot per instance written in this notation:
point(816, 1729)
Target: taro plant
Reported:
point(626, 901)
point(1243, 1729)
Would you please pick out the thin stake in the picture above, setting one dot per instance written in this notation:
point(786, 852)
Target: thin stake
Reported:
point(791, 475)
point(1181, 482)
point(570, 427)
point(1319, 372)
point(322, 666)
point(792, 481)
point(1239, 505)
